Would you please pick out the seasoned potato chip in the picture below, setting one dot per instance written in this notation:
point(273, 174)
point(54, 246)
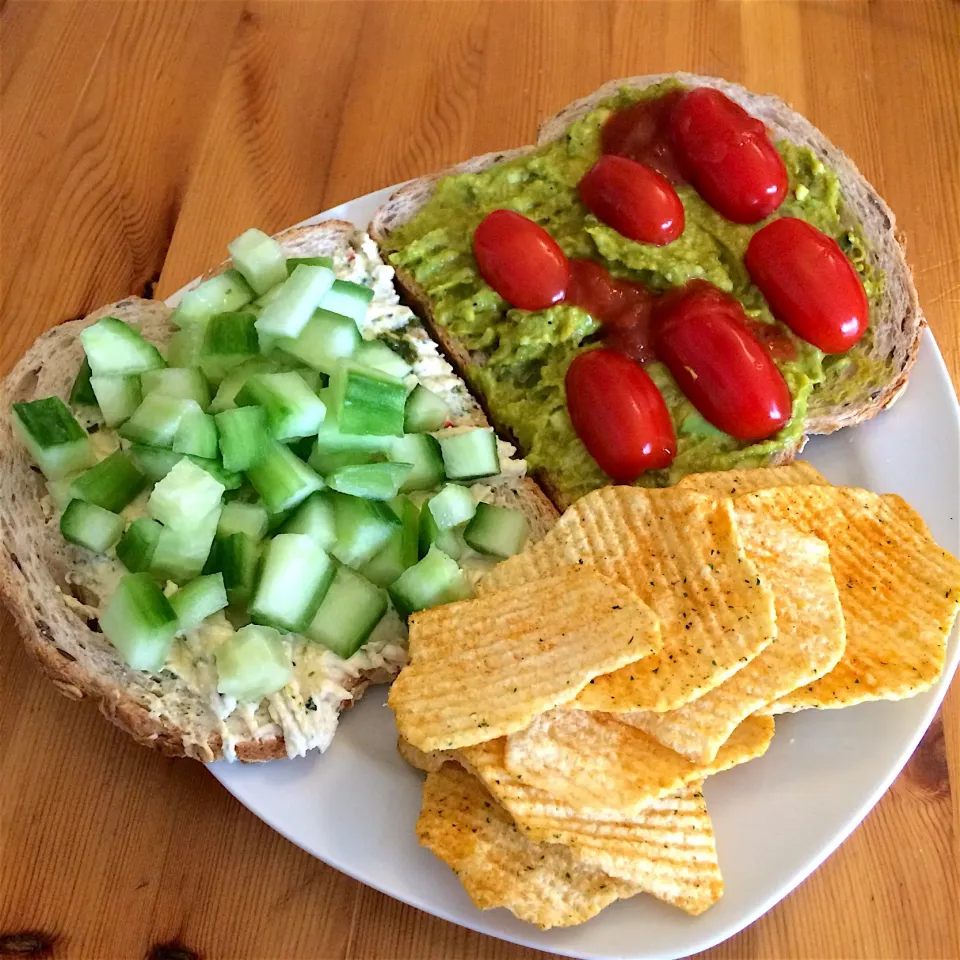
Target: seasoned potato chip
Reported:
point(810, 640)
point(427, 762)
point(499, 867)
point(898, 590)
point(681, 553)
point(667, 849)
point(594, 763)
point(484, 668)
point(732, 483)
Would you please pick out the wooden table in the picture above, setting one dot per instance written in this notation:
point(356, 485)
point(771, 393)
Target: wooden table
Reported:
point(138, 137)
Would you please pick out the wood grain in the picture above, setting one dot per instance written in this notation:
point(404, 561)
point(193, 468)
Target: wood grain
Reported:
point(136, 137)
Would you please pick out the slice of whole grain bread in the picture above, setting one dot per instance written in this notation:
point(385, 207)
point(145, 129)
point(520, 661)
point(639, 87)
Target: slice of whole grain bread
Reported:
point(898, 323)
point(55, 591)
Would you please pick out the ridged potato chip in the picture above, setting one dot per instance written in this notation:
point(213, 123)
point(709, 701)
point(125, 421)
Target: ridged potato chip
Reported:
point(427, 762)
point(667, 850)
point(483, 668)
point(898, 590)
point(679, 552)
point(543, 884)
point(810, 641)
point(594, 763)
point(733, 483)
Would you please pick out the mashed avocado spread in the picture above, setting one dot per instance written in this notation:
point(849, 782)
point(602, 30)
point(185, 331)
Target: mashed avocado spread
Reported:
point(526, 354)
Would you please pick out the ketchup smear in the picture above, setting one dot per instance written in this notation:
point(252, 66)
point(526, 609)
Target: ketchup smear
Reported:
point(641, 132)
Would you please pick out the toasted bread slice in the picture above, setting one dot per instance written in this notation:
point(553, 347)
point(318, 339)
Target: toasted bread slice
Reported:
point(898, 323)
point(55, 590)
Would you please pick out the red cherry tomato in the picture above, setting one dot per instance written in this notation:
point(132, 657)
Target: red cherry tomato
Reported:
point(726, 154)
point(633, 199)
point(619, 414)
point(702, 337)
point(520, 260)
point(808, 282)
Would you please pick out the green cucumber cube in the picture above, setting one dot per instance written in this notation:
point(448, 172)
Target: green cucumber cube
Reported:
point(471, 455)
point(334, 449)
point(288, 312)
point(497, 531)
point(315, 518)
point(378, 356)
point(348, 614)
point(435, 580)
point(294, 262)
point(432, 534)
point(139, 622)
point(155, 463)
point(81, 393)
point(401, 550)
point(230, 340)
point(349, 300)
point(52, 436)
point(197, 600)
point(111, 484)
point(293, 409)
point(249, 518)
point(185, 494)
point(326, 339)
point(238, 558)
point(197, 435)
point(244, 437)
point(188, 383)
point(423, 453)
point(90, 526)
point(366, 401)
point(185, 347)
point(223, 293)
point(282, 480)
point(260, 259)
point(252, 664)
point(425, 411)
point(154, 423)
point(113, 348)
point(181, 554)
point(375, 481)
point(117, 396)
point(138, 544)
point(452, 506)
point(363, 528)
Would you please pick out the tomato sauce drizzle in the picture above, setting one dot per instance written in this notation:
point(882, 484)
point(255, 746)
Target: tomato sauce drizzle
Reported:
point(641, 133)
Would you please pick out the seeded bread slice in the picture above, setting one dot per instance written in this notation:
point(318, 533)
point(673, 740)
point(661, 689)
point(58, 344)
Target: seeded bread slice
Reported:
point(55, 592)
point(898, 323)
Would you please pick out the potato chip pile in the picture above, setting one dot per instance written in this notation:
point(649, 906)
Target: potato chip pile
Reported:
point(568, 716)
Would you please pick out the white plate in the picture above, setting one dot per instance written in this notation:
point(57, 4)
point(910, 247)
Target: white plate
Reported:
point(776, 818)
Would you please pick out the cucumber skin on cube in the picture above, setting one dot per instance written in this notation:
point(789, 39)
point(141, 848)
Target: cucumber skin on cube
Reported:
point(373, 481)
point(471, 455)
point(452, 506)
point(497, 531)
point(348, 300)
point(111, 484)
point(435, 580)
point(378, 356)
point(81, 393)
point(294, 577)
point(138, 544)
point(423, 452)
point(90, 526)
point(287, 314)
point(282, 480)
point(293, 409)
point(432, 534)
point(154, 423)
point(401, 550)
point(363, 528)
point(187, 383)
point(425, 411)
point(182, 555)
point(315, 518)
point(117, 396)
point(367, 401)
point(237, 557)
point(244, 437)
point(139, 622)
point(348, 614)
point(260, 260)
point(220, 294)
point(252, 664)
point(156, 462)
point(230, 340)
point(114, 348)
point(333, 449)
point(197, 436)
point(52, 436)
point(326, 339)
point(294, 262)
point(197, 600)
point(249, 518)
point(185, 494)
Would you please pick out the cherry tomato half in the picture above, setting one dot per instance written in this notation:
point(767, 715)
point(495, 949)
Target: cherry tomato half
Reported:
point(703, 338)
point(520, 260)
point(619, 414)
point(809, 283)
point(633, 199)
point(726, 154)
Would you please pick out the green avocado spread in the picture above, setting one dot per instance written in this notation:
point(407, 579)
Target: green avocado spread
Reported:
point(525, 354)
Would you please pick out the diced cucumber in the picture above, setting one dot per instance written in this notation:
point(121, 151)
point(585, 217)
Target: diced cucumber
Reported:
point(90, 526)
point(181, 554)
point(230, 339)
point(287, 314)
point(326, 339)
point(197, 435)
point(435, 580)
point(111, 484)
point(260, 259)
point(281, 479)
point(348, 299)
point(223, 293)
point(497, 531)
point(433, 535)
point(452, 506)
point(139, 622)
point(155, 463)
point(366, 401)
point(113, 348)
point(232, 383)
point(294, 578)
point(363, 528)
point(375, 481)
point(117, 396)
point(138, 544)
point(248, 518)
point(154, 423)
point(197, 600)
point(238, 559)
point(185, 347)
point(334, 449)
point(52, 436)
point(252, 664)
point(294, 262)
point(378, 356)
point(401, 550)
point(244, 437)
point(314, 379)
point(351, 609)
point(293, 409)
point(81, 393)
point(425, 411)
point(186, 493)
point(302, 447)
point(315, 518)
point(188, 383)
point(470, 455)
point(423, 452)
